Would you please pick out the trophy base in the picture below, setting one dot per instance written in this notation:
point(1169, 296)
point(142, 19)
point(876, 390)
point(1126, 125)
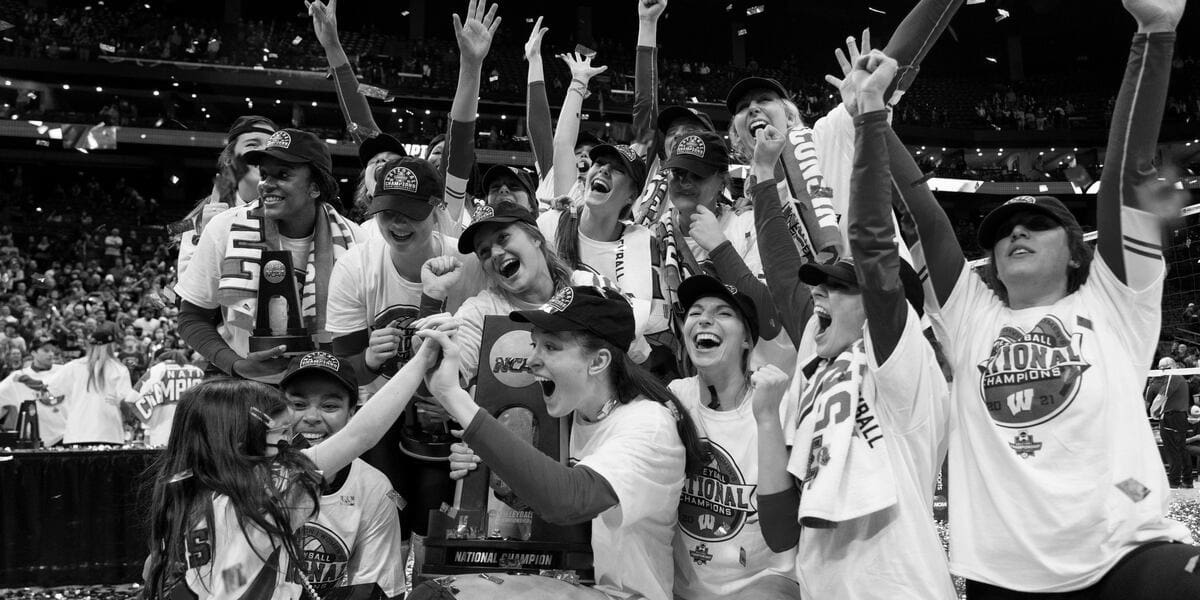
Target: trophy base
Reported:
point(426, 447)
point(295, 344)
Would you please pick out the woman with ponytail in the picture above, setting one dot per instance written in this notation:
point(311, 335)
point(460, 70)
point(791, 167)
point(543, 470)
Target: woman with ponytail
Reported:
point(92, 387)
point(229, 491)
point(631, 441)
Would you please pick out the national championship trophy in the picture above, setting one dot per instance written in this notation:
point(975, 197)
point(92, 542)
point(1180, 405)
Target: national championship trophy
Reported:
point(490, 528)
point(278, 322)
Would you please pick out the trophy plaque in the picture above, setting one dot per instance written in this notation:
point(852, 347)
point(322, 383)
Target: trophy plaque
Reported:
point(490, 528)
point(278, 322)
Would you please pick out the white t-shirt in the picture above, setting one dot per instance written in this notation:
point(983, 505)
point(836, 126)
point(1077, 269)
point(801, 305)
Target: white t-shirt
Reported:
point(719, 547)
point(93, 415)
point(637, 450)
point(356, 537)
point(1055, 474)
point(198, 284)
point(894, 553)
point(166, 382)
point(52, 419)
point(298, 248)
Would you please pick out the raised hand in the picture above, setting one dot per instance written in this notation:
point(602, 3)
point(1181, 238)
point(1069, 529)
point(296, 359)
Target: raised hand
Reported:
point(324, 19)
point(1155, 15)
point(475, 33)
point(873, 73)
point(767, 148)
point(767, 386)
point(651, 10)
point(443, 382)
point(581, 66)
point(439, 274)
point(705, 229)
point(533, 46)
point(845, 85)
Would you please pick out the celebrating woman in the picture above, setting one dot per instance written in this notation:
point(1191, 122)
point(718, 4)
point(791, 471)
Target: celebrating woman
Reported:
point(630, 443)
point(92, 388)
point(229, 491)
point(1058, 486)
point(718, 514)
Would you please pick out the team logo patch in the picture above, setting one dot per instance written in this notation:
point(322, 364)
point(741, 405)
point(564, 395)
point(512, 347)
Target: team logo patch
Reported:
point(1134, 489)
point(509, 358)
point(483, 212)
point(325, 557)
point(1031, 377)
point(691, 145)
point(280, 139)
point(626, 152)
point(561, 300)
point(400, 179)
point(716, 503)
point(1024, 445)
point(321, 359)
point(731, 289)
point(274, 271)
point(700, 555)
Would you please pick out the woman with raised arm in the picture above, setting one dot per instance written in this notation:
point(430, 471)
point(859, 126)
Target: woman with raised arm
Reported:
point(1057, 483)
point(230, 492)
point(630, 443)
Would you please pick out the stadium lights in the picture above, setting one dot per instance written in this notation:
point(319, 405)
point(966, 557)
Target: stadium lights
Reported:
point(314, 103)
point(155, 92)
point(66, 86)
point(99, 89)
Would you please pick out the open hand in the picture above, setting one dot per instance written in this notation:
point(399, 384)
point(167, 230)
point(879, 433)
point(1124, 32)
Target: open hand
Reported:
point(475, 33)
point(847, 87)
point(533, 46)
point(581, 66)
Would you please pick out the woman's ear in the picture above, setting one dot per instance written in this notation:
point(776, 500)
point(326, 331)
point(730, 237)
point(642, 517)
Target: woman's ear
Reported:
point(600, 362)
point(314, 191)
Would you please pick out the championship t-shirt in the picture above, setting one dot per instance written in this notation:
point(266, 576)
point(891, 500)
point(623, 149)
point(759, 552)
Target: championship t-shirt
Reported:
point(165, 382)
point(637, 450)
point(719, 547)
point(1055, 474)
point(356, 537)
point(894, 553)
point(52, 419)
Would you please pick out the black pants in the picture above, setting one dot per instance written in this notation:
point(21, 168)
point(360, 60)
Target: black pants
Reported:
point(1174, 429)
point(1154, 571)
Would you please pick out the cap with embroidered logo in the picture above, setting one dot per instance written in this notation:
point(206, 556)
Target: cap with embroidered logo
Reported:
point(501, 213)
point(409, 186)
point(326, 363)
point(604, 313)
point(703, 154)
point(704, 286)
point(294, 146)
point(631, 164)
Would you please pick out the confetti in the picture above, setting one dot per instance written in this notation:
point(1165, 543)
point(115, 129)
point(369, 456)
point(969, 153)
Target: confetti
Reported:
point(990, 59)
point(741, 32)
point(876, 10)
point(756, 10)
point(45, 143)
point(60, 21)
point(5, 25)
point(372, 91)
point(1001, 14)
point(296, 40)
point(404, 13)
point(108, 48)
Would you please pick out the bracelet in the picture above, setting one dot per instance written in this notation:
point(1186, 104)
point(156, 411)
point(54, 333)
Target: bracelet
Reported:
point(581, 88)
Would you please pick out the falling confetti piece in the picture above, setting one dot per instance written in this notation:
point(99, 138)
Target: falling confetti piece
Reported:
point(45, 143)
point(108, 48)
point(876, 10)
point(5, 25)
point(1001, 14)
point(755, 10)
point(990, 59)
point(296, 40)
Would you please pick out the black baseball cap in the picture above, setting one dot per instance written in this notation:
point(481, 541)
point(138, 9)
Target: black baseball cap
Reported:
point(409, 186)
point(521, 175)
point(631, 163)
point(294, 146)
point(326, 363)
point(1047, 205)
point(842, 274)
point(248, 123)
point(380, 143)
point(105, 333)
point(502, 213)
point(671, 114)
point(704, 286)
point(605, 314)
point(703, 153)
point(749, 84)
point(587, 138)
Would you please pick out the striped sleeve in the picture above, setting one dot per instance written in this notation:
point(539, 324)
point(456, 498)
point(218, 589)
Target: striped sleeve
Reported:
point(460, 157)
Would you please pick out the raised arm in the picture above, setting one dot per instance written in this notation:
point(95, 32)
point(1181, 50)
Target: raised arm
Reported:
point(567, 131)
point(537, 106)
point(780, 259)
point(1128, 237)
point(913, 38)
point(645, 69)
point(474, 34)
point(872, 233)
point(360, 124)
point(778, 498)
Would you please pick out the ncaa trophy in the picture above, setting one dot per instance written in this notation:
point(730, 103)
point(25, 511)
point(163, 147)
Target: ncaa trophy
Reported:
point(278, 322)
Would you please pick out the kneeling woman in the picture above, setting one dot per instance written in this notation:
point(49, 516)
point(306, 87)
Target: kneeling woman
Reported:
point(230, 492)
point(720, 329)
point(630, 441)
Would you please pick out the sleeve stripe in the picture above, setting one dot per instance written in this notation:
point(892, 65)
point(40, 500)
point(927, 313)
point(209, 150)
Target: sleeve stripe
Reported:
point(1150, 255)
point(1144, 244)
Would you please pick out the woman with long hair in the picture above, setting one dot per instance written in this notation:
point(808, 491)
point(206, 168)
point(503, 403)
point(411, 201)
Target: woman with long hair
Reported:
point(719, 505)
point(229, 491)
point(631, 442)
point(93, 387)
point(1058, 487)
